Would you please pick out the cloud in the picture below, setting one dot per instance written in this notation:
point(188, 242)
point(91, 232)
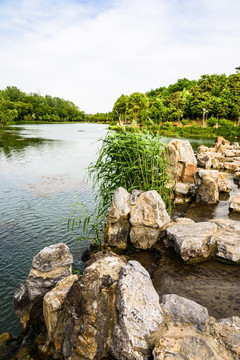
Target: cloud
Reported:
point(91, 52)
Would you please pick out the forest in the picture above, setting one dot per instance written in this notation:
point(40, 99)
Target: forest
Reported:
point(212, 100)
point(16, 105)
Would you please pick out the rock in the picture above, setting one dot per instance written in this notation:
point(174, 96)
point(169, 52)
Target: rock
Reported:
point(147, 217)
point(236, 176)
point(227, 331)
point(223, 184)
point(202, 149)
point(117, 227)
point(188, 173)
point(192, 241)
point(182, 189)
point(120, 207)
point(49, 266)
point(207, 181)
point(235, 203)
point(204, 160)
point(140, 317)
point(89, 309)
point(232, 165)
point(134, 196)
point(144, 237)
point(116, 234)
point(227, 239)
point(53, 310)
point(180, 153)
point(184, 310)
point(149, 211)
point(187, 343)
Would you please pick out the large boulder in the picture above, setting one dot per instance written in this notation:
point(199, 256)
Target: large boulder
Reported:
point(49, 266)
point(117, 228)
point(147, 217)
point(140, 316)
point(182, 161)
point(192, 241)
point(89, 309)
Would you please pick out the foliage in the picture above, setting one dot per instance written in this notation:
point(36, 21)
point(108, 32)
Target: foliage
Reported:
point(133, 160)
point(15, 105)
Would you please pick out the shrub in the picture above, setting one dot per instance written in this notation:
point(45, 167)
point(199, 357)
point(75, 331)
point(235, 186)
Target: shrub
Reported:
point(212, 121)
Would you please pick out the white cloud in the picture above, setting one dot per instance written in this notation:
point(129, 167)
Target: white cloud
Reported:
point(92, 52)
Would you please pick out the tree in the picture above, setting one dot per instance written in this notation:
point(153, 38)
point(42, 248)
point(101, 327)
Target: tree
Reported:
point(137, 102)
point(120, 107)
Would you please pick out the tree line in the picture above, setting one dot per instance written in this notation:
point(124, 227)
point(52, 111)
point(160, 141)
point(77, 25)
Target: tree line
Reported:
point(16, 105)
point(211, 98)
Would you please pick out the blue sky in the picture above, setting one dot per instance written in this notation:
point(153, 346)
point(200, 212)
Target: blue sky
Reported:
point(91, 52)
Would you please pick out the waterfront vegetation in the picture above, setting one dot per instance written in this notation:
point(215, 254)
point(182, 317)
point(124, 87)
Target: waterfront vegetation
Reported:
point(130, 160)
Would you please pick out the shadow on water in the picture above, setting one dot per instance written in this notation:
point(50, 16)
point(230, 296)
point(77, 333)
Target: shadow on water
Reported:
point(11, 141)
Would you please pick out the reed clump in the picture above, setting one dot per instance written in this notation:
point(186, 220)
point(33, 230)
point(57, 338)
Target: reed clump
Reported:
point(133, 160)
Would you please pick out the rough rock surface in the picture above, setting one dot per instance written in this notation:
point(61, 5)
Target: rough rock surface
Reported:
point(191, 240)
point(149, 213)
point(227, 239)
point(181, 153)
point(53, 309)
point(227, 331)
point(184, 310)
point(49, 266)
point(89, 312)
point(117, 229)
point(207, 182)
point(140, 316)
point(235, 203)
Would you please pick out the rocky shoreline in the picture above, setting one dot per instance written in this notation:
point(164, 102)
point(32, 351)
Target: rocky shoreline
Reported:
point(113, 310)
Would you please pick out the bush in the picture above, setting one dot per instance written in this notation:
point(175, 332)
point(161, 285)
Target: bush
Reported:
point(185, 121)
point(212, 121)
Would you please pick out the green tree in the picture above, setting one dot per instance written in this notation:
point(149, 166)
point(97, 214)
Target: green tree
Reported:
point(120, 107)
point(137, 102)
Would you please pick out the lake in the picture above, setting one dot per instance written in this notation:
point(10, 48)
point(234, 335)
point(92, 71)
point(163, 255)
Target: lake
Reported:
point(42, 173)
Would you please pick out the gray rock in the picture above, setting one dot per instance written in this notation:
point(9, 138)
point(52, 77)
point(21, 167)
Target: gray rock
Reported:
point(134, 196)
point(52, 257)
point(207, 182)
point(55, 263)
point(191, 240)
point(184, 310)
point(120, 207)
point(149, 211)
point(140, 317)
point(227, 239)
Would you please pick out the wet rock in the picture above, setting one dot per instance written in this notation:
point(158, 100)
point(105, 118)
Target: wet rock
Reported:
point(89, 309)
point(49, 266)
point(207, 182)
point(180, 153)
point(140, 317)
point(235, 203)
point(184, 310)
point(117, 228)
point(149, 214)
point(53, 310)
point(192, 241)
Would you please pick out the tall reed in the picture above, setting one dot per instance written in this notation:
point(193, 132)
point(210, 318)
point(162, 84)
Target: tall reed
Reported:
point(133, 160)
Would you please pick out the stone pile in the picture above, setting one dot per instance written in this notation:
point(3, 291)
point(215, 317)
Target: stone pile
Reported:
point(221, 155)
point(136, 217)
point(114, 310)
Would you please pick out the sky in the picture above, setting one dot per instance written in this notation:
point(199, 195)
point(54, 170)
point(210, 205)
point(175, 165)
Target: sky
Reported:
point(90, 52)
